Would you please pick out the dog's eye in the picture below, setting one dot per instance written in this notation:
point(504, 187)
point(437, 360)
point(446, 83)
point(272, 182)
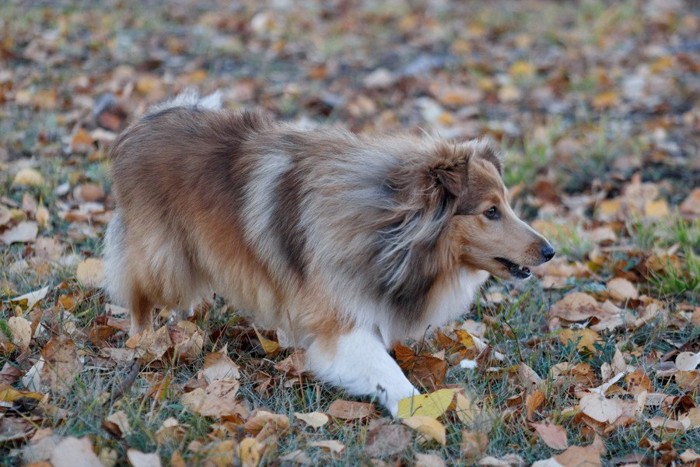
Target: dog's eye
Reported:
point(492, 213)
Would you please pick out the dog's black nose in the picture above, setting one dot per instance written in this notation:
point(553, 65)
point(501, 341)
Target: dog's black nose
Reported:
point(547, 252)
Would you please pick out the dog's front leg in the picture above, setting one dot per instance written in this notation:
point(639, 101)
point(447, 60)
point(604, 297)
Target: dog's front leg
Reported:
point(358, 362)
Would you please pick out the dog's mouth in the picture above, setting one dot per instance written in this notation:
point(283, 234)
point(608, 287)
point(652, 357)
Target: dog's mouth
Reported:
point(515, 270)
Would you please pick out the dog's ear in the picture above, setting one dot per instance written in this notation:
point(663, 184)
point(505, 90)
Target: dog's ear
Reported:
point(450, 179)
point(486, 149)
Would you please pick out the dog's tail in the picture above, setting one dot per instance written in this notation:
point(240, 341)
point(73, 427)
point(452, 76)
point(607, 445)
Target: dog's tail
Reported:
point(190, 98)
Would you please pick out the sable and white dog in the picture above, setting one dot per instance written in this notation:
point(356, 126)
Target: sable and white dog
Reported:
point(345, 243)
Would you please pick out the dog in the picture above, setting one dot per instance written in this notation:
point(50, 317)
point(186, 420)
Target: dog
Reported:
point(345, 243)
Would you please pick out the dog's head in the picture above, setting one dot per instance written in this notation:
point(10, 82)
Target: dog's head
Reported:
point(483, 231)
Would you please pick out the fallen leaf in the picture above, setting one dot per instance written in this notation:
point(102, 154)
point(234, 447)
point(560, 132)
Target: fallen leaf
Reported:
point(528, 377)
point(579, 455)
point(90, 273)
point(62, 364)
point(427, 426)
point(313, 419)
point(474, 445)
point(32, 298)
point(533, 401)
point(656, 209)
point(350, 410)
point(637, 382)
point(622, 289)
point(387, 440)
point(23, 232)
point(687, 361)
point(269, 346)
point(331, 445)
point(73, 451)
point(21, 330)
point(600, 408)
point(117, 424)
point(140, 459)
point(690, 207)
point(28, 177)
point(508, 460)
point(216, 400)
point(430, 405)
point(575, 306)
point(250, 451)
point(553, 435)
point(218, 365)
point(585, 338)
point(261, 419)
point(689, 456)
point(428, 460)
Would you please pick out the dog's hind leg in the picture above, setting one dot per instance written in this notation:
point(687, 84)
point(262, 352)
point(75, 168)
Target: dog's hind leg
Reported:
point(358, 362)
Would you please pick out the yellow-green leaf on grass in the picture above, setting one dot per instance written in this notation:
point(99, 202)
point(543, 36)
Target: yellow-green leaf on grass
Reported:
point(429, 405)
point(269, 346)
point(427, 426)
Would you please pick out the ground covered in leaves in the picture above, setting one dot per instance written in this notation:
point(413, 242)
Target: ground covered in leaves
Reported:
point(596, 105)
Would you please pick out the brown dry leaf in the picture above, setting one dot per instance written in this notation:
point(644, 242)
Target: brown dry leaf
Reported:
point(250, 452)
point(73, 451)
point(294, 365)
point(313, 419)
point(509, 460)
point(431, 405)
point(188, 340)
point(575, 306)
point(81, 141)
point(690, 207)
point(330, 445)
point(28, 177)
point(90, 273)
point(666, 424)
point(528, 377)
point(88, 193)
point(218, 365)
point(533, 401)
point(216, 400)
point(261, 419)
point(350, 410)
point(600, 408)
point(61, 364)
point(5, 215)
point(606, 99)
point(638, 381)
point(474, 445)
point(428, 460)
point(170, 431)
point(429, 371)
point(23, 232)
point(585, 338)
point(689, 456)
point(687, 361)
point(688, 380)
point(21, 330)
point(621, 289)
point(150, 345)
point(579, 455)
point(43, 217)
point(428, 426)
point(553, 435)
point(117, 424)
point(140, 459)
point(387, 440)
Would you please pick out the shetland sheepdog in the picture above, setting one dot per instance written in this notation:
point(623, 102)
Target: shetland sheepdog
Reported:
point(345, 243)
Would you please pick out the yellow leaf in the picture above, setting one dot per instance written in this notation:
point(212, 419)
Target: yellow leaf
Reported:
point(609, 208)
point(269, 346)
point(28, 177)
point(661, 64)
point(42, 216)
point(429, 405)
point(90, 273)
point(605, 99)
point(522, 69)
point(587, 338)
point(427, 426)
point(249, 452)
point(656, 209)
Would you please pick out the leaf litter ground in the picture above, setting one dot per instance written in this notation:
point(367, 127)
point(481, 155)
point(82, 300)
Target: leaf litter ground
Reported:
point(595, 105)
